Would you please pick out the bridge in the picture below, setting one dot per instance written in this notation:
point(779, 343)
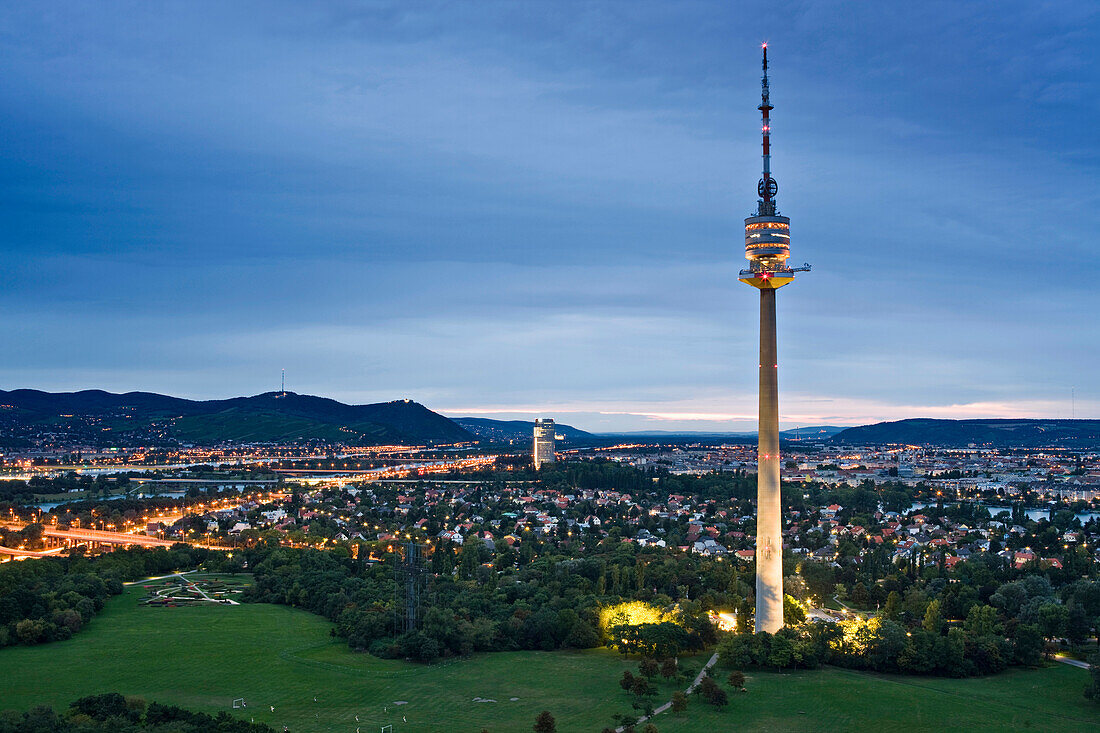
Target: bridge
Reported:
point(104, 537)
point(14, 553)
point(59, 540)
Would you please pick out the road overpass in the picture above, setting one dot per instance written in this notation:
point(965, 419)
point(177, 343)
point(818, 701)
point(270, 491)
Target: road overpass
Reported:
point(63, 539)
point(104, 537)
point(59, 540)
point(12, 553)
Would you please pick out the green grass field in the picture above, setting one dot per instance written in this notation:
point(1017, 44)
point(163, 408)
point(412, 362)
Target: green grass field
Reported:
point(203, 656)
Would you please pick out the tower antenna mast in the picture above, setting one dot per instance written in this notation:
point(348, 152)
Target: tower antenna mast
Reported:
point(767, 187)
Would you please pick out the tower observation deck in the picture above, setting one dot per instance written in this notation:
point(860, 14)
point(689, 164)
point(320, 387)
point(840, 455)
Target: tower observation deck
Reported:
point(767, 248)
point(767, 234)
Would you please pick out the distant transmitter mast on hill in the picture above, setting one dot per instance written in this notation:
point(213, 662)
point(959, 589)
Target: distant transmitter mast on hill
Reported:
point(767, 247)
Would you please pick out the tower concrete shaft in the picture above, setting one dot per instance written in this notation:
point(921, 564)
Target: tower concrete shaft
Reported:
point(769, 506)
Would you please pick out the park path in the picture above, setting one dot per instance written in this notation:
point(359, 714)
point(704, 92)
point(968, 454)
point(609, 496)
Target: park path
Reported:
point(159, 577)
point(194, 587)
point(691, 688)
point(1072, 662)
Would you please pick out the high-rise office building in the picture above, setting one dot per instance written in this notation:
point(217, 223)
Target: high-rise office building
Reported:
point(544, 441)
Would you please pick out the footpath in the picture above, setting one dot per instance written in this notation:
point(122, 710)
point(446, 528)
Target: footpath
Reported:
point(1072, 662)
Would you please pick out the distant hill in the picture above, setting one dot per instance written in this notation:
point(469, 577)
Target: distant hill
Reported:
point(811, 432)
point(1076, 434)
point(104, 417)
point(501, 430)
point(679, 436)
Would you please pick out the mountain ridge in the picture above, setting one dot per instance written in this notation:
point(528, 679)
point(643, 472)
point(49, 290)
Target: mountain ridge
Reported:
point(491, 429)
point(266, 417)
point(992, 432)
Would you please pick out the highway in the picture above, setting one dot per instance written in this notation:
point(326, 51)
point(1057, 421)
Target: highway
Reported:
point(104, 537)
point(22, 554)
point(73, 537)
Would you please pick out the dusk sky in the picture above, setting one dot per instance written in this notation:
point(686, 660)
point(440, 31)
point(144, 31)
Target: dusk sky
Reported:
point(524, 209)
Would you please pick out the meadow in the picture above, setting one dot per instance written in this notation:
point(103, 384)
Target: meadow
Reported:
point(204, 656)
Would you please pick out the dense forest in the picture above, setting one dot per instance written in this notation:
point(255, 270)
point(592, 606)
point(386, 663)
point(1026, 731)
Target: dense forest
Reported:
point(532, 598)
point(977, 619)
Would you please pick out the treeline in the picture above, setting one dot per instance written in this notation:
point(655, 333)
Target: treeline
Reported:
point(114, 713)
point(16, 492)
point(29, 537)
point(20, 497)
point(476, 601)
point(969, 626)
point(53, 598)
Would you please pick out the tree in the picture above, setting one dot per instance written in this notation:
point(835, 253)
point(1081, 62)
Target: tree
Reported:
point(668, 668)
point(741, 650)
point(470, 559)
point(641, 687)
point(649, 667)
point(918, 656)
point(1092, 689)
point(950, 653)
point(712, 693)
point(706, 684)
point(545, 723)
point(582, 636)
point(1053, 619)
point(1027, 645)
point(745, 617)
point(793, 612)
point(737, 679)
point(981, 621)
point(679, 702)
point(650, 728)
point(781, 653)
point(932, 622)
point(1077, 624)
point(887, 643)
point(890, 610)
point(109, 705)
point(860, 596)
point(627, 680)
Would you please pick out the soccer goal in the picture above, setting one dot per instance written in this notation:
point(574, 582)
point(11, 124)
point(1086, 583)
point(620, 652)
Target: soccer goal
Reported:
point(387, 729)
point(239, 703)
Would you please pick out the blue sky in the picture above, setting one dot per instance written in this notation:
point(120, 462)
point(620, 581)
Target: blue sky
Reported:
point(521, 208)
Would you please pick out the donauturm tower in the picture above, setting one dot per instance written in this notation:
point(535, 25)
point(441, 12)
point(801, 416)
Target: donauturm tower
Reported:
point(767, 248)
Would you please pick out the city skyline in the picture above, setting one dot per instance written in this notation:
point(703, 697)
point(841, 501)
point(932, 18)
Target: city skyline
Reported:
point(508, 215)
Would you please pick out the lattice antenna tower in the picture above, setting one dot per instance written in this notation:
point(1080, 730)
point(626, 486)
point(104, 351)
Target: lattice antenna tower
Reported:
point(409, 581)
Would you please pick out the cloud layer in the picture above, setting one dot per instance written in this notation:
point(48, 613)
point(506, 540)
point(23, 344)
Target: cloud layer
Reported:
point(524, 207)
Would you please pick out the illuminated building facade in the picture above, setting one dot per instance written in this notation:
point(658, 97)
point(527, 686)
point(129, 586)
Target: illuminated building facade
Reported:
point(767, 247)
point(544, 441)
